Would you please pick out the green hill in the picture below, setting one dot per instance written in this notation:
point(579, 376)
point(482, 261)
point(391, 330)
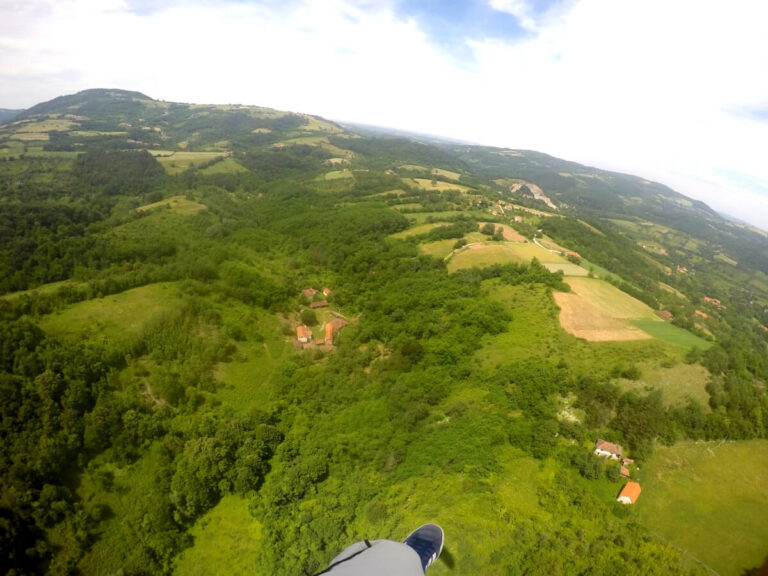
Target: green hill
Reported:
point(158, 261)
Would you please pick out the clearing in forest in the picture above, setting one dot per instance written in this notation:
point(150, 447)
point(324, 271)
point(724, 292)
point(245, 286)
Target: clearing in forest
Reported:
point(677, 383)
point(503, 253)
point(116, 316)
point(708, 498)
point(178, 204)
point(510, 234)
point(598, 311)
point(176, 162)
point(438, 185)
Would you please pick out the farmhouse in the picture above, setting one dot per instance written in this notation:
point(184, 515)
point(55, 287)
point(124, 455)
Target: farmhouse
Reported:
point(629, 493)
point(329, 333)
point(608, 449)
point(326, 292)
point(318, 304)
point(303, 334)
point(309, 292)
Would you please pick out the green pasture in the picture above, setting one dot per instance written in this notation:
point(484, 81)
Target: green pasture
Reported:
point(176, 162)
point(177, 204)
point(246, 380)
point(439, 249)
point(418, 229)
point(226, 540)
point(115, 317)
point(337, 175)
point(567, 268)
point(446, 173)
point(678, 383)
point(671, 333)
point(501, 253)
point(709, 499)
point(599, 271)
point(225, 166)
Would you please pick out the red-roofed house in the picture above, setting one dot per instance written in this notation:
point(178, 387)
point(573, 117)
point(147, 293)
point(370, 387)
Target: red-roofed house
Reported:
point(318, 304)
point(303, 334)
point(629, 493)
point(608, 449)
point(576, 254)
point(624, 471)
point(326, 291)
point(309, 292)
point(700, 313)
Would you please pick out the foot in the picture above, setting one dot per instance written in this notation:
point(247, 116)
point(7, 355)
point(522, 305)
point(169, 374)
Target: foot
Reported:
point(427, 540)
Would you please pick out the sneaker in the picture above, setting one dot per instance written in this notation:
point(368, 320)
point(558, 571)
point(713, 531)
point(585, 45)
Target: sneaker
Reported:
point(427, 540)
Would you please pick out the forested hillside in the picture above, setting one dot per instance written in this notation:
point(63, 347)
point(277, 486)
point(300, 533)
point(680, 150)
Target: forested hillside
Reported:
point(230, 328)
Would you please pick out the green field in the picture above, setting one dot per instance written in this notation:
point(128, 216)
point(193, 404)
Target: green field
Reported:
point(497, 253)
point(226, 540)
point(418, 229)
point(115, 317)
point(177, 162)
point(225, 166)
point(178, 204)
point(677, 384)
point(438, 249)
point(246, 380)
point(671, 333)
point(709, 499)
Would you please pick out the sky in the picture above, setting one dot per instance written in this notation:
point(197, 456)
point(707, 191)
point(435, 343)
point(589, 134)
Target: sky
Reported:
point(671, 90)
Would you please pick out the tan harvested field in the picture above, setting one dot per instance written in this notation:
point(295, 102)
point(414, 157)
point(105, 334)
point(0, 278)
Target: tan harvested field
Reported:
point(598, 311)
point(427, 184)
point(31, 136)
point(46, 126)
point(178, 204)
point(567, 268)
point(446, 173)
point(510, 234)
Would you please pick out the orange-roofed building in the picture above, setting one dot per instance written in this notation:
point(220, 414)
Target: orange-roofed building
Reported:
point(329, 333)
point(700, 313)
point(318, 304)
point(326, 291)
point(309, 292)
point(609, 449)
point(629, 493)
point(303, 334)
point(624, 471)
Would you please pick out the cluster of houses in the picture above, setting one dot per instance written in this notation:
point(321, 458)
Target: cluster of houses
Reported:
point(304, 336)
point(715, 302)
point(631, 490)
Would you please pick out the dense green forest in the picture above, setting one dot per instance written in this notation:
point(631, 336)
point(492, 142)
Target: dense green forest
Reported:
point(154, 263)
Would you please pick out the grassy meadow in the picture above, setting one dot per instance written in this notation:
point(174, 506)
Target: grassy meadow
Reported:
point(709, 499)
point(115, 317)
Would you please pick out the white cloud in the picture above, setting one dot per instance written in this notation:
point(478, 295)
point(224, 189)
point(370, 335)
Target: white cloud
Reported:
point(520, 9)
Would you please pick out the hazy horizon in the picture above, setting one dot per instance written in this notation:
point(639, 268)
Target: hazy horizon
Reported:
point(671, 93)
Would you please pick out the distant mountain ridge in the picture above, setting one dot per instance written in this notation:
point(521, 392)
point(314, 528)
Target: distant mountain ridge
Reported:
point(6, 114)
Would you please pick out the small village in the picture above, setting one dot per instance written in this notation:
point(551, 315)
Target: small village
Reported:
point(329, 328)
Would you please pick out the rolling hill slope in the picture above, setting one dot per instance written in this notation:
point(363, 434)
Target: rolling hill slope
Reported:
point(161, 267)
